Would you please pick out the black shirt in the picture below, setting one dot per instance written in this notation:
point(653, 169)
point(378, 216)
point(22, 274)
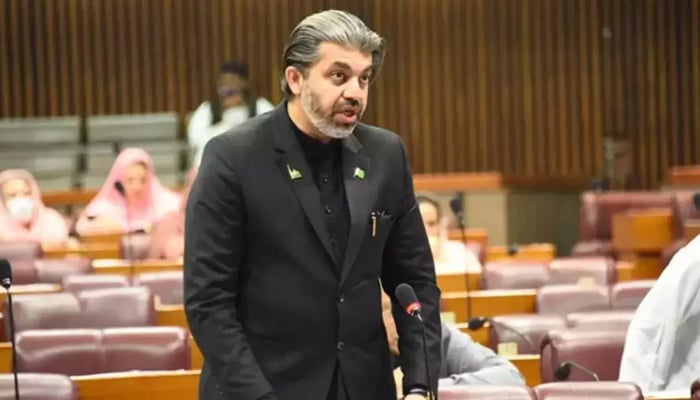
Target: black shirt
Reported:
point(325, 162)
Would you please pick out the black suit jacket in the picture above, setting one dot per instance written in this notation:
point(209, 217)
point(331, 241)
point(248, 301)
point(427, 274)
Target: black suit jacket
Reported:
point(264, 298)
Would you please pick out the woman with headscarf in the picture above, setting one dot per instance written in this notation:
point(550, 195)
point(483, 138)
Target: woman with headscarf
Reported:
point(450, 256)
point(131, 199)
point(23, 215)
point(233, 103)
point(168, 234)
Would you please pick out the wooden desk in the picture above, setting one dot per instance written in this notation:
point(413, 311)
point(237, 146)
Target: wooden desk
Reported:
point(473, 235)
point(529, 252)
point(454, 182)
point(529, 366)
point(691, 229)
point(91, 250)
point(458, 282)
point(160, 385)
point(639, 238)
point(489, 303)
point(123, 267)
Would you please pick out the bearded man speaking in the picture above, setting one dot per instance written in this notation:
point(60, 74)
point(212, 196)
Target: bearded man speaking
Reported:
point(294, 219)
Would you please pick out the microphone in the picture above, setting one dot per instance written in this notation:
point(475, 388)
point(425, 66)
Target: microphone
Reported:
point(119, 186)
point(6, 282)
point(696, 201)
point(513, 249)
point(562, 372)
point(409, 301)
point(457, 207)
point(477, 323)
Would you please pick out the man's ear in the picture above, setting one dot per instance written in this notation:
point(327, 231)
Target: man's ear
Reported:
point(294, 78)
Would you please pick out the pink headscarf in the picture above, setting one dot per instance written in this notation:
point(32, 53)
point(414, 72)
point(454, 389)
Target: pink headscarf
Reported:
point(168, 235)
point(157, 202)
point(46, 224)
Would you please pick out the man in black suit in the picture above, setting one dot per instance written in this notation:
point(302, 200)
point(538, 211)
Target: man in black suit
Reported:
point(294, 218)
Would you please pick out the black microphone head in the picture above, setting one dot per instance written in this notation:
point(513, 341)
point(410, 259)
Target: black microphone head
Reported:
point(407, 298)
point(120, 187)
point(696, 201)
point(562, 372)
point(5, 272)
point(513, 249)
point(477, 323)
point(457, 204)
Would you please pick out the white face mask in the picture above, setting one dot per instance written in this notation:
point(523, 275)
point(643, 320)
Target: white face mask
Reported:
point(21, 208)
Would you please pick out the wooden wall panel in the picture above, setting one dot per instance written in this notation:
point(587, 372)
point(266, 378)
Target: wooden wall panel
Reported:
point(525, 87)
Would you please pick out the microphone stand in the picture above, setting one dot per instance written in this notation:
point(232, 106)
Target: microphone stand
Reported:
point(431, 395)
point(459, 214)
point(6, 283)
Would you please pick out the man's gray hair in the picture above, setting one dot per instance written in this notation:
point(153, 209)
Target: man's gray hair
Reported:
point(334, 26)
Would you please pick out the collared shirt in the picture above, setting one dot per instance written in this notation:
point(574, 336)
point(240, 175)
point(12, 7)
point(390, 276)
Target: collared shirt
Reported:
point(325, 162)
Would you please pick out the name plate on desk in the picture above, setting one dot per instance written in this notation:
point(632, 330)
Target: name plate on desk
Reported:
point(507, 349)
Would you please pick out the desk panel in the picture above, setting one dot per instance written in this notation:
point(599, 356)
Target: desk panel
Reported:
point(161, 385)
point(490, 303)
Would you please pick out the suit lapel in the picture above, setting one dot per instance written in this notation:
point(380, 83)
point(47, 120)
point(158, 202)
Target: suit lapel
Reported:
point(360, 192)
point(295, 170)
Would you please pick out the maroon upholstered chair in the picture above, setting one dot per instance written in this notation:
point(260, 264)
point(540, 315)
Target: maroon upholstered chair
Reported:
point(21, 256)
point(683, 210)
point(38, 387)
point(695, 390)
point(137, 246)
point(514, 275)
point(51, 270)
point(486, 392)
point(117, 307)
point(533, 326)
point(628, 295)
point(597, 350)
point(167, 286)
point(43, 311)
point(565, 299)
point(613, 319)
point(79, 283)
point(60, 351)
point(572, 270)
point(147, 348)
point(596, 214)
point(588, 391)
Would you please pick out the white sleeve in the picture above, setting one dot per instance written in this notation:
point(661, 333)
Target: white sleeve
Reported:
point(263, 105)
point(198, 127)
point(652, 339)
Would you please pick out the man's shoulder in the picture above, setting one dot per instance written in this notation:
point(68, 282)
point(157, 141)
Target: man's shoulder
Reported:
point(375, 134)
point(248, 133)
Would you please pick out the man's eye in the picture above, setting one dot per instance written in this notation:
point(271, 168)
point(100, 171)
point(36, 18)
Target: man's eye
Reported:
point(337, 76)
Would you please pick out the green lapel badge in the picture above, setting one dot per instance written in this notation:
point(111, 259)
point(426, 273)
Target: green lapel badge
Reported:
point(293, 173)
point(359, 173)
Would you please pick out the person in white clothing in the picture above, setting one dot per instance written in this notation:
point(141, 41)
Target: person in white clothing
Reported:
point(662, 347)
point(232, 104)
point(450, 256)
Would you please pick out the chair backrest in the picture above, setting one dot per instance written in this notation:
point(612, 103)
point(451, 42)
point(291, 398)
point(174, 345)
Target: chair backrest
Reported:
point(38, 387)
point(597, 210)
point(533, 326)
point(132, 127)
point(588, 391)
point(78, 283)
point(486, 392)
point(45, 131)
point(574, 270)
point(613, 319)
point(167, 286)
point(628, 295)
point(43, 311)
point(136, 246)
point(149, 348)
point(514, 274)
point(597, 350)
point(60, 351)
point(117, 307)
point(683, 209)
point(21, 255)
point(565, 299)
point(50, 270)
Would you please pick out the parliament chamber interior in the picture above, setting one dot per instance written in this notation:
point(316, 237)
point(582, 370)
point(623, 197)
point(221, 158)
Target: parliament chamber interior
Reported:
point(558, 143)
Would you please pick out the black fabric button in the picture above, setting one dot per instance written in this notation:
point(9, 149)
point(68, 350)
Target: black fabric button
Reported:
point(340, 346)
point(324, 179)
point(333, 240)
point(341, 298)
point(327, 210)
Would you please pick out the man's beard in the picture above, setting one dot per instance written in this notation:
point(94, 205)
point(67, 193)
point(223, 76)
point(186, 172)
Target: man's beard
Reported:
point(324, 124)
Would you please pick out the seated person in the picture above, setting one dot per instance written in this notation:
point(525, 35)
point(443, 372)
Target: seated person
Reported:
point(23, 215)
point(450, 256)
point(464, 362)
point(662, 347)
point(144, 201)
point(168, 234)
